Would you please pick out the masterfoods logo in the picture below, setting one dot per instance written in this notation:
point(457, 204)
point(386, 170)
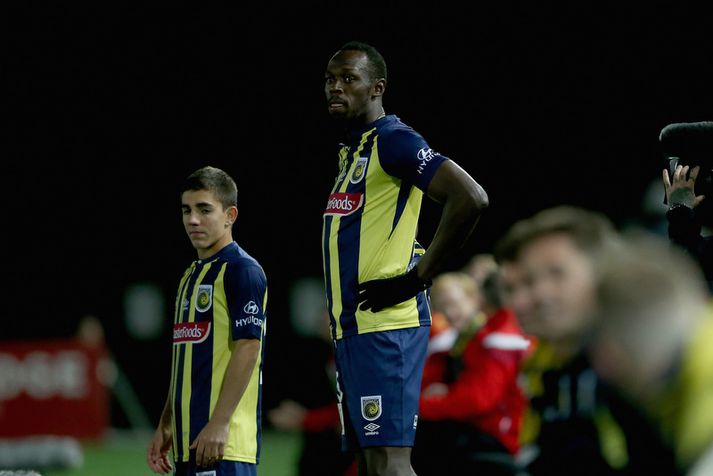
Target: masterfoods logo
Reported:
point(342, 204)
point(190, 332)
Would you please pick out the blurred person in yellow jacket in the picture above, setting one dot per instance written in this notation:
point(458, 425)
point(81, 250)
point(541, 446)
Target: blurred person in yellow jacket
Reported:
point(653, 341)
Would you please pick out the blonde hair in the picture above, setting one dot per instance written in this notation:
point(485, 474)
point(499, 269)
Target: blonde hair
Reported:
point(457, 278)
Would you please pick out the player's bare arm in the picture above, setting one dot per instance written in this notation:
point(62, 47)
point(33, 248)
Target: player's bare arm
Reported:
point(463, 201)
point(210, 442)
point(157, 454)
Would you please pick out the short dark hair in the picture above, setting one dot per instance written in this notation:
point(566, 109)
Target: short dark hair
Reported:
point(377, 65)
point(214, 180)
point(589, 230)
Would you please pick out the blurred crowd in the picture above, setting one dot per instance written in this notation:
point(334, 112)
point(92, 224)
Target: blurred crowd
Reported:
point(576, 347)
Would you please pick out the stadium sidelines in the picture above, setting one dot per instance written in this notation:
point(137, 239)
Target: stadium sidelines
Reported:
point(125, 453)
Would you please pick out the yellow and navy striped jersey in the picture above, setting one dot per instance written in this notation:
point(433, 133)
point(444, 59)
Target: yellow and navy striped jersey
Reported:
point(685, 410)
point(220, 299)
point(370, 223)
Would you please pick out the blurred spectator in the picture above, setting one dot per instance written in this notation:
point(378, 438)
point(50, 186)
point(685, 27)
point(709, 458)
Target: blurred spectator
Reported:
point(91, 333)
point(548, 267)
point(471, 418)
point(653, 340)
point(311, 408)
point(441, 340)
point(686, 215)
point(480, 267)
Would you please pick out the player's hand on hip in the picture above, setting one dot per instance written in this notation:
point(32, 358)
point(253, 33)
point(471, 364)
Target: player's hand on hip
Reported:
point(379, 294)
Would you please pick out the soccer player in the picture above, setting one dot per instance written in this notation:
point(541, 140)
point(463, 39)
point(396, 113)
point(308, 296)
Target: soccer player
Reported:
point(376, 274)
point(212, 413)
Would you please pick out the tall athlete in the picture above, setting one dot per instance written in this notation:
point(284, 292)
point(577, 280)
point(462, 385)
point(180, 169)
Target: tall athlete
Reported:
point(212, 414)
point(376, 274)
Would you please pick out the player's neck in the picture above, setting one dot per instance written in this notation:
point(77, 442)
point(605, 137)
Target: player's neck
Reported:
point(374, 115)
point(204, 253)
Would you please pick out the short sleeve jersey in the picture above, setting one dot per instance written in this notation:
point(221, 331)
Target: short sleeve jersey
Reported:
point(370, 223)
point(220, 299)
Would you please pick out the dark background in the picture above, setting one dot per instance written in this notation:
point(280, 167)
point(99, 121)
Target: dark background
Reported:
point(109, 109)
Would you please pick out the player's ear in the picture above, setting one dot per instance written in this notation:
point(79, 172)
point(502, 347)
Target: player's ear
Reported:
point(379, 87)
point(232, 213)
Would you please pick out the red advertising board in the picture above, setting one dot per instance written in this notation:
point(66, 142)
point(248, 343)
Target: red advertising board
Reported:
point(52, 388)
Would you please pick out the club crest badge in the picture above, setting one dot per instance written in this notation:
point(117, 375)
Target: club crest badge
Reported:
point(359, 170)
point(342, 170)
point(204, 298)
point(371, 407)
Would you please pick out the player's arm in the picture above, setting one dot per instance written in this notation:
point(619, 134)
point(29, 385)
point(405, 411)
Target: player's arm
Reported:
point(157, 454)
point(463, 201)
point(210, 442)
point(245, 288)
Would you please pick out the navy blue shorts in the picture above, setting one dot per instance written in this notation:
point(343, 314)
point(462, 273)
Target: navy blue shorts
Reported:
point(378, 386)
point(221, 468)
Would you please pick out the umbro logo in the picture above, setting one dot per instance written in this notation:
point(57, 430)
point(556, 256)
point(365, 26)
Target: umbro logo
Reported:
point(371, 429)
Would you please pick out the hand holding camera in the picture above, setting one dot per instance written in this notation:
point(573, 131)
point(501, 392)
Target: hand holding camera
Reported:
point(680, 190)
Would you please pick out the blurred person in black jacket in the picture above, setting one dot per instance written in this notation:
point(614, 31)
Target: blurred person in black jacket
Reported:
point(688, 179)
point(684, 224)
point(309, 404)
point(575, 424)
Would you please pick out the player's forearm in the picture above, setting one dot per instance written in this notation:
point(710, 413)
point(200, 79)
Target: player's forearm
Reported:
point(166, 414)
point(460, 215)
point(237, 376)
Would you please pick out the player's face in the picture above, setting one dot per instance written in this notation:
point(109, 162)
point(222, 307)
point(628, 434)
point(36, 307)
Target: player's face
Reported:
point(453, 302)
point(561, 281)
point(348, 86)
point(207, 224)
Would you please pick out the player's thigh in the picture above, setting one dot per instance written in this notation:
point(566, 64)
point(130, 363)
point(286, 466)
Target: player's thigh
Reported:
point(380, 378)
point(387, 459)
